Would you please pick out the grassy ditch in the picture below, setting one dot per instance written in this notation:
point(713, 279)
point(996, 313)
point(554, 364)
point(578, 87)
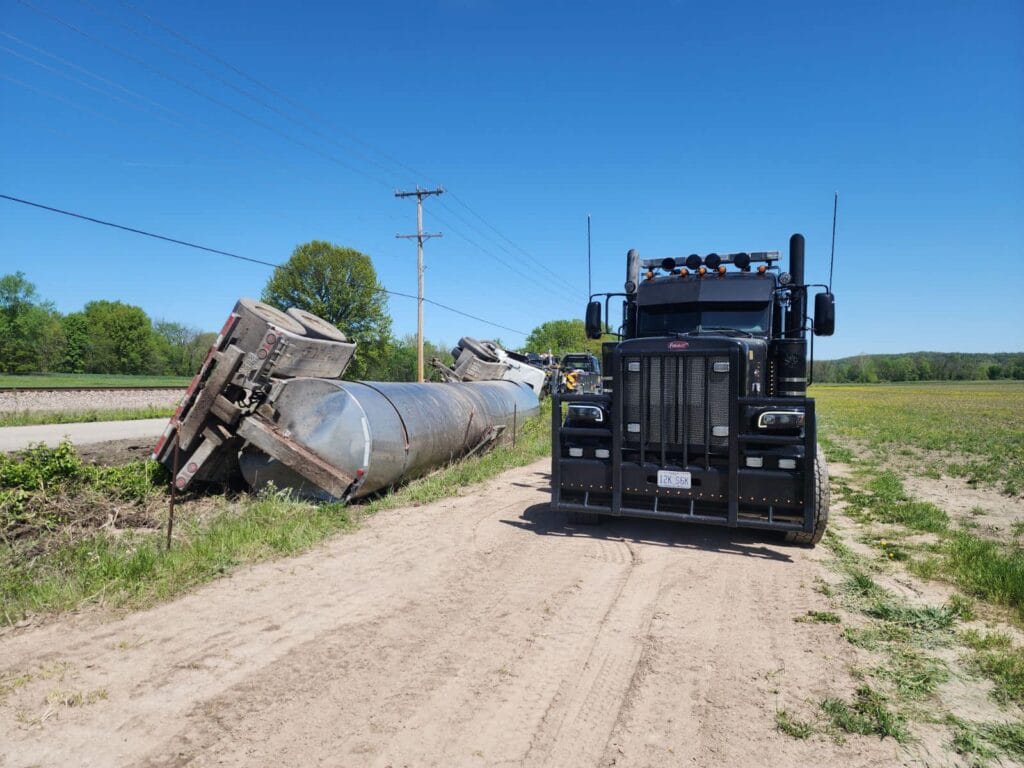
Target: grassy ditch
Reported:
point(75, 534)
point(33, 418)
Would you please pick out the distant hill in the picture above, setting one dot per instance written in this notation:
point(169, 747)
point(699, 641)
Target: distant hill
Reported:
point(922, 366)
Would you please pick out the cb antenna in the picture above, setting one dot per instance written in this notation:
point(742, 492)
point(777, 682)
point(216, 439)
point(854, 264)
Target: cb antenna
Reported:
point(832, 259)
point(590, 288)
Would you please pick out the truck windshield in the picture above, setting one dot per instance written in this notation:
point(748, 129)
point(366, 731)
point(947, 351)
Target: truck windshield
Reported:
point(579, 364)
point(669, 319)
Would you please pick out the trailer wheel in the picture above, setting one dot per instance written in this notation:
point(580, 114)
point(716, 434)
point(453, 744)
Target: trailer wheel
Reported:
point(821, 503)
point(583, 518)
point(481, 349)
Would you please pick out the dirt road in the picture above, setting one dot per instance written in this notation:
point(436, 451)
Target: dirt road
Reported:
point(481, 630)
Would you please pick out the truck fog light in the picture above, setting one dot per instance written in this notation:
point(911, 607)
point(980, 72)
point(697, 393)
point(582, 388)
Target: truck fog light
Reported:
point(576, 453)
point(602, 453)
point(633, 426)
point(787, 463)
point(755, 461)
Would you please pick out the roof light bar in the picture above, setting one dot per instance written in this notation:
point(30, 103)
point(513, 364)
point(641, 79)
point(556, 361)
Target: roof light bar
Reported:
point(742, 259)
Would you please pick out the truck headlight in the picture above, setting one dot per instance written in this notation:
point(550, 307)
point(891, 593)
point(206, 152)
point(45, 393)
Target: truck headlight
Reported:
point(585, 414)
point(780, 420)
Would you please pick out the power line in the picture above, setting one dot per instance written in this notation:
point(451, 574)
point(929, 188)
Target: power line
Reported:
point(352, 137)
point(227, 83)
point(482, 249)
point(182, 84)
point(270, 89)
point(289, 137)
point(187, 244)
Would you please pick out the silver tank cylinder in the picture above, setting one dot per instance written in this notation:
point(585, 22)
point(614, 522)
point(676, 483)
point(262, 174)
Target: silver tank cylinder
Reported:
point(385, 433)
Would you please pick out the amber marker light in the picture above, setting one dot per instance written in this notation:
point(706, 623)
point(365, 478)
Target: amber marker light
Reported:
point(702, 271)
point(650, 275)
point(684, 272)
point(762, 269)
point(721, 270)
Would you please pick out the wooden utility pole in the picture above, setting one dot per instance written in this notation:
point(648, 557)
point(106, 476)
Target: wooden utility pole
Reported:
point(421, 237)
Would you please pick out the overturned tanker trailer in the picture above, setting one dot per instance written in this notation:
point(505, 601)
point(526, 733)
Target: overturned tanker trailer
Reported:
point(269, 405)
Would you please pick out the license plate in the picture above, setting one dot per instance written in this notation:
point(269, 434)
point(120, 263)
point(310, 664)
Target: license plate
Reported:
point(667, 479)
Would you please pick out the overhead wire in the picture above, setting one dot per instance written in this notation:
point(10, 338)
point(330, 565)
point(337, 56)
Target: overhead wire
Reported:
point(260, 123)
point(352, 137)
point(526, 276)
point(229, 254)
point(212, 99)
point(227, 83)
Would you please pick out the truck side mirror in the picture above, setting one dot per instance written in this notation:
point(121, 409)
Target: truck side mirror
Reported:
point(824, 314)
point(593, 322)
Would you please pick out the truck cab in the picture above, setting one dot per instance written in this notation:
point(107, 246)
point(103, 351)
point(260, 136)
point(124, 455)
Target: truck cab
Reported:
point(703, 416)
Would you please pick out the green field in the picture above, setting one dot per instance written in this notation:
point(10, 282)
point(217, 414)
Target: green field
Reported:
point(972, 430)
point(85, 380)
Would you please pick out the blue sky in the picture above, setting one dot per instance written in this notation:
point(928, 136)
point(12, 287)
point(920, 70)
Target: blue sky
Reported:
point(678, 126)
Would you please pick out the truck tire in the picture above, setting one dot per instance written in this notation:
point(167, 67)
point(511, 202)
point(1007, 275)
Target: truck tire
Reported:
point(479, 348)
point(821, 502)
point(316, 327)
point(583, 518)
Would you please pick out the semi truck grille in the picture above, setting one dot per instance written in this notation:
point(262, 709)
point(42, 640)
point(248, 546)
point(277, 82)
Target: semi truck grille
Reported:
point(677, 403)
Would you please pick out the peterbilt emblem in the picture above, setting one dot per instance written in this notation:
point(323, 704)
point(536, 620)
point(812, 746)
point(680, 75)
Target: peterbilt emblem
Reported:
point(678, 344)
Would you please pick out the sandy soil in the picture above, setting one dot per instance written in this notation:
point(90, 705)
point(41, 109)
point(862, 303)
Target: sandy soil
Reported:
point(992, 512)
point(481, 630)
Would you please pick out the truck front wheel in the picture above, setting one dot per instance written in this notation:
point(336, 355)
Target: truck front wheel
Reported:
point(821, 502)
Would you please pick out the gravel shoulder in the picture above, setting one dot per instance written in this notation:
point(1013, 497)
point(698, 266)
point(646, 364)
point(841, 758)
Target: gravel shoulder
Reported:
point(16, 400)
point(479, 630)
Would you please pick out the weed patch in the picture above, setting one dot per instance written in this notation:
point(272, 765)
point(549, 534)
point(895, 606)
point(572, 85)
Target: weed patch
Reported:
point(791, 726)
point(995, 657)
point(868, 713)
point(819, 617)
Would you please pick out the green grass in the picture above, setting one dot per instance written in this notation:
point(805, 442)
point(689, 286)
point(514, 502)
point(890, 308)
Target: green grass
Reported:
point(982, 742)
point(883, 499)
point(83, 380)
point(819, 617)
point(990, 570)
point(867, 713)
point(986, 569)
point(62, 563)
point(975, 429)
point(30, 418)
point(994, 656)
point(791, 726)
point(135, 569)
point(914, 675)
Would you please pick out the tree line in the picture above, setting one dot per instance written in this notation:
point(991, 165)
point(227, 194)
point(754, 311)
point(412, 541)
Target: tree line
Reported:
point(103, 337)
point(922, 366)
point(341, 285)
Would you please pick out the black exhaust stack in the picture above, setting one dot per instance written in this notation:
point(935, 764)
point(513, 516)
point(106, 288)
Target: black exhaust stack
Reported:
point(791, 352)
point(798, 299)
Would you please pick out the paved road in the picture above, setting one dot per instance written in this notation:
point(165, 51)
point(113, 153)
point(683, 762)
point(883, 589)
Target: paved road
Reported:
point(476, 631)
point(16, 438)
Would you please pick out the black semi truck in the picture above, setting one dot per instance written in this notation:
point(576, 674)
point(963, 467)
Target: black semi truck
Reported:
point(704, 415)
